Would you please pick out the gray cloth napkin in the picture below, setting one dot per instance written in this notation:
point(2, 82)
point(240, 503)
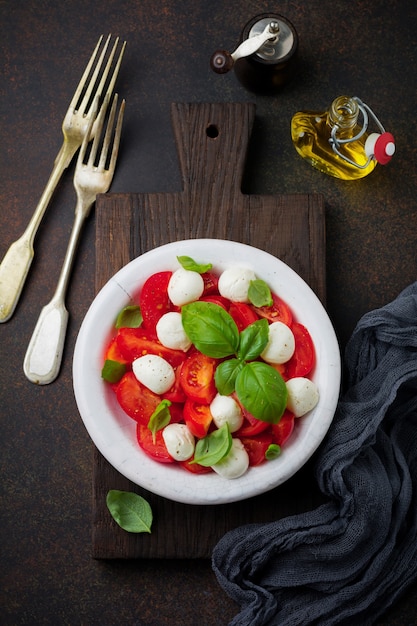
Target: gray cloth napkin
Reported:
point(347, 561)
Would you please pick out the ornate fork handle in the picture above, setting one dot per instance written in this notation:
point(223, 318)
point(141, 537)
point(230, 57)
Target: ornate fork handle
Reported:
point(17, 260)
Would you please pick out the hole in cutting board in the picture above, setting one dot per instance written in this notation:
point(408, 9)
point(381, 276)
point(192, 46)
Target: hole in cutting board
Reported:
point(212, 131)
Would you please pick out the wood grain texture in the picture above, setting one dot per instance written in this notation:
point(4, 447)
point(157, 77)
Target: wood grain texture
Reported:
point(212, 142)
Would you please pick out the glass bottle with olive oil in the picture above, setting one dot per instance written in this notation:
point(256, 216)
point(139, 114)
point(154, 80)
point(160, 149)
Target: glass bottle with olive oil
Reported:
point(335, 142)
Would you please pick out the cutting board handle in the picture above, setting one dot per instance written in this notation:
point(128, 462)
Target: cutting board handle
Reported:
point(212, 142)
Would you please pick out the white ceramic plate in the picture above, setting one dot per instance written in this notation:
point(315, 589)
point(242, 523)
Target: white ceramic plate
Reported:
point(114, 433)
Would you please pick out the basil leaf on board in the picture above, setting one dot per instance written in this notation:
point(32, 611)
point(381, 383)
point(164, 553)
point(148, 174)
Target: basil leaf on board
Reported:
point(272, 452)
point(113, 371)
point(214, 447)
point(225, 375)
point(262, 391)
point(253, 340)
point(259, 293)
point(160, 418)
point(189, 264)
point(129, 317)
point(130, 511)
point(210, 328)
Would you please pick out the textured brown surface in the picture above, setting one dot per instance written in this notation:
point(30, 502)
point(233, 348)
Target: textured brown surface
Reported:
point(211, 204)
point(365, 49)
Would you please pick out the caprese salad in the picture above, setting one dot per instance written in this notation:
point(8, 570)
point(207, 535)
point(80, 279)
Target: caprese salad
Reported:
point(213, 367)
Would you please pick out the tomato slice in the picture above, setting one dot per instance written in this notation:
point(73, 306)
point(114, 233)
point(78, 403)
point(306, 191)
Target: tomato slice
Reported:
point(211, 282)
point(243, 314)
point(279, 311)
point(155, 449)
point(256, 447)
point(153, 299)
point(219, 300)
point(136, 342)
point(282, 431)
point(304, 357)
point(197, 377)
point(176, 393)
point(136, 400)
point(195, 468)
point(197, 417)
point(113, 353)
point(251, 425)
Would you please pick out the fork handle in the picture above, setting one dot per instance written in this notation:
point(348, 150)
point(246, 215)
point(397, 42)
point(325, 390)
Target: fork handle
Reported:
point(44, 354)
point(15, 265)
point(13, 271)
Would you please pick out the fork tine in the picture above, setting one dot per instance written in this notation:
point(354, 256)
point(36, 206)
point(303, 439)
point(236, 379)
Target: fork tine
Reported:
point(99, 122)
point(116, 140)
point(115, 71)
point(87, 71)
point(108, 135)
point(83, 148)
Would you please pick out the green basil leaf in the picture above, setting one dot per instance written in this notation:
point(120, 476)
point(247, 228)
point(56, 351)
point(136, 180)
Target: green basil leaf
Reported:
point(113, 371)
point(129, 317)
point(253, 340)
point(132, 512)
point(213, 447)
point(259, 293)
point(189, 264)
point(225, 376)
point(160, 418)
point(262, 391)
point(210, 328)
point(272, 452)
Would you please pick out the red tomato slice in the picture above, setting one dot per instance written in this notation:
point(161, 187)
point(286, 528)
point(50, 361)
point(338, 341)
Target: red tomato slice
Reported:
point(176, 393)
point(210, 283)
point(279, 311)
point(197, 417)
point(197, 377)
point(304, 357)
point(155, 449)
point(282, 431)
point(153, 299)
point(220, 300)
point(195, 468)
point(251, 425)
point(113, 353)
point(136, 342)
point(136, 400)
point(243, 314)
point(256, 447)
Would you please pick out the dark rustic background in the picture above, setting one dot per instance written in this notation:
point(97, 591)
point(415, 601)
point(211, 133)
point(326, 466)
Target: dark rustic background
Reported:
point(359, 48)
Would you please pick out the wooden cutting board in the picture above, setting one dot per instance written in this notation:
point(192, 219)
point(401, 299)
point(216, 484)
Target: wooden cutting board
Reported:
point(212, 142)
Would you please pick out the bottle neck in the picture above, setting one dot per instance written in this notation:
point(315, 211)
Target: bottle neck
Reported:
point(343, 113)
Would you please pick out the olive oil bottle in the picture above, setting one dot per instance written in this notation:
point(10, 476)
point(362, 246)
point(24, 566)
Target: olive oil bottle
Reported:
point(336, 143)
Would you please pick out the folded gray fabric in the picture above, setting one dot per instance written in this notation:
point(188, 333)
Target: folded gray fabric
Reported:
point(347, 561)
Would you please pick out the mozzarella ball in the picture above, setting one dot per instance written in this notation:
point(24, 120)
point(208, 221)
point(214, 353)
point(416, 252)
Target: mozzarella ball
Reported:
point(154, 372)
point(281, 344)
point(179, 441)
point(171, 333)
point(225, 409)
point(235, 464)
point(303, 395)
point(185, 286)
point(234, 283)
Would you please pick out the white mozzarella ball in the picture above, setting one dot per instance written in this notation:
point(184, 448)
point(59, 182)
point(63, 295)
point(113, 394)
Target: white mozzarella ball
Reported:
point(185, 286)
point(303, 395)
point(281, 344)
point(235, 464)
point(171, 333)
point(234, 283)
point(154, 372)
point(225, 409)
point(179, 441)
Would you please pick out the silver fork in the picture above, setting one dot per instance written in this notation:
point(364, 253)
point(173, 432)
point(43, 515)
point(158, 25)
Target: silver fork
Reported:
point(15, 265)
point(44, 354)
